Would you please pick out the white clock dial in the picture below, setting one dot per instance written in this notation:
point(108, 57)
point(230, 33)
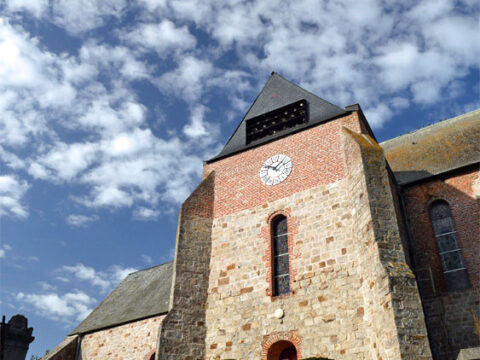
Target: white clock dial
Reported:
point(276, 169)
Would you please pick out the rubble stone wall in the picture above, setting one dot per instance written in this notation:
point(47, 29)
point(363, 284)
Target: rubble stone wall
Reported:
point(182, 334)
point(135, 340)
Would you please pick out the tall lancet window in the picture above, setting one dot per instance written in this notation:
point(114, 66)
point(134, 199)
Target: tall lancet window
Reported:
point(281, 274)
point(455, 273)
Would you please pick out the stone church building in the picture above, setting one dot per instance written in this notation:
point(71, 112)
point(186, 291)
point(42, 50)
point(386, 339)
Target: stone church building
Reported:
point(306, 239)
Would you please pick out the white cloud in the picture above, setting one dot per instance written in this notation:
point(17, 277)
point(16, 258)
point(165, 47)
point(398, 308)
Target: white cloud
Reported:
point(35, 7)
point(12, 192)
point(187, 80)
point(64, 161)
point(147, 259)
point(72, 306)
point(105, 59)
point(80, 220)
point(163, 37)
point(410, 54)
point(87, 273)
point(119, 273)
point(3, 250)
point(197, 126)
point(83, 15)
point(145, 214)
point(105, 280)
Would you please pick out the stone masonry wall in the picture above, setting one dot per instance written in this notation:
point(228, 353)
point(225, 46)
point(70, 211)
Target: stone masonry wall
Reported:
point(393, 310)
point(325, 307)
point(182, 334)
point(322, 266)
point(132, 341)
point(333, 270)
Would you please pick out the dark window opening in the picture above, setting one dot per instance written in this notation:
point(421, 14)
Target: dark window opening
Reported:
point(454, 271)
point(276, 121)
point(281, 273)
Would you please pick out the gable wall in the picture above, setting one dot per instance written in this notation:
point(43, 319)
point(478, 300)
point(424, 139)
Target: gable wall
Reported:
point(135, 340)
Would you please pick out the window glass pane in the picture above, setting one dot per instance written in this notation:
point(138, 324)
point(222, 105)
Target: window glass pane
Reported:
point(280, 226)
point(440, 210)
point(442, 226)
point(282, 285)
point(452, 260)
point(281, 265)
point(447, 242)
point(280, 245)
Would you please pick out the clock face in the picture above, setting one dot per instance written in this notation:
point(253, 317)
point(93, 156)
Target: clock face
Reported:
point(276, 169)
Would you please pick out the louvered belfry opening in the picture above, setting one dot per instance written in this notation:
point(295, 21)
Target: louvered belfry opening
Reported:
point(281, 273)
point(454, 271)
point(276, 121)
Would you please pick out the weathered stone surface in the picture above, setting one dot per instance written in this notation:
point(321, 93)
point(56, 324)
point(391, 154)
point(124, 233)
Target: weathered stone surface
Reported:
point(16, 337)
point(182, 334)
point(135, 340)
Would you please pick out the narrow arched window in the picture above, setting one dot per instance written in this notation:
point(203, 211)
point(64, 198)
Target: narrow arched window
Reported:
point(455, 273)
point(281, 273)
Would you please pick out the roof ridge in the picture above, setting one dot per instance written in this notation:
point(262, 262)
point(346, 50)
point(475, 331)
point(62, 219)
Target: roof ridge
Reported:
point(438, 123)
point(151, 267)
point(303, 89)
point(278, 92)
point(250, 107)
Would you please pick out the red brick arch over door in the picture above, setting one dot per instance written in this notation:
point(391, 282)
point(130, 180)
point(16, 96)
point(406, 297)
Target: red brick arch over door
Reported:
point(279, 341)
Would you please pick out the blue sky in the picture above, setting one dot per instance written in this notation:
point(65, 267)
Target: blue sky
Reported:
point(108, 108)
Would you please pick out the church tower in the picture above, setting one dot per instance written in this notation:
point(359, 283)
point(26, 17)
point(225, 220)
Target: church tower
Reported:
point(291, 247)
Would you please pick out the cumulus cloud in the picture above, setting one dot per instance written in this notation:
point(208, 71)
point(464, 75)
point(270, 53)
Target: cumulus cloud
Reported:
point(164, 37)
point(187, 79)
point(72, 306)
point(83, 15)
point(145, 214)
point(12, 192)
point(105, 280)
point(384, 55)
point(36, 7)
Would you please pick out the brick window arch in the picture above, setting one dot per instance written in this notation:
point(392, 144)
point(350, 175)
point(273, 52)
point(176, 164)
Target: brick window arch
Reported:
point(280, 256)
point(150, 355)
point(454, 271)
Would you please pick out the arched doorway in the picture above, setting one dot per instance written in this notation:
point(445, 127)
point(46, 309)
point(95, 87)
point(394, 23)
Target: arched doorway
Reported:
point(282, 350)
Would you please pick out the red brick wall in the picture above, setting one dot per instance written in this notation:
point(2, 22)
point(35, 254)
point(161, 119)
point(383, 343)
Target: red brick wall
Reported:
point(457, 191)
point(317, 159)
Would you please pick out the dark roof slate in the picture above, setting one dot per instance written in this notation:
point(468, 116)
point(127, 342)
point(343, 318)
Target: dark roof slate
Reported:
point(140, 295)
point(276, 93)
point(447, 145)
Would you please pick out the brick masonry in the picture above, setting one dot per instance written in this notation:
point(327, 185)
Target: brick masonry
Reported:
point(449, 315)
point(135, 340)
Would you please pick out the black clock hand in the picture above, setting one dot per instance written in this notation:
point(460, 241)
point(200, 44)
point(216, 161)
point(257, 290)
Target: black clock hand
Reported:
point(280, 163)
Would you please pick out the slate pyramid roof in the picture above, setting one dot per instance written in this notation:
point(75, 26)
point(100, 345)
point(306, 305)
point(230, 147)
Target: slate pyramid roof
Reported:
point(277, 93)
